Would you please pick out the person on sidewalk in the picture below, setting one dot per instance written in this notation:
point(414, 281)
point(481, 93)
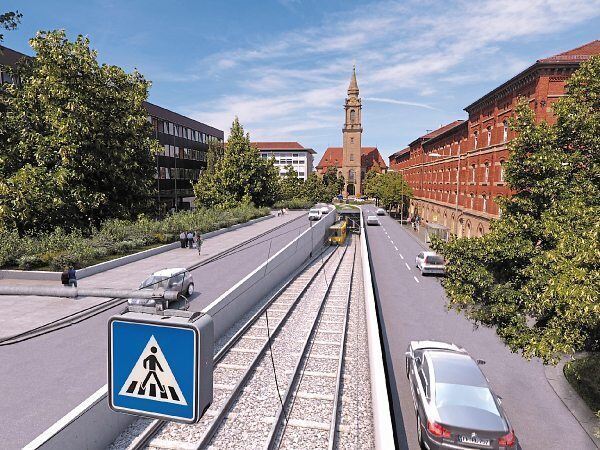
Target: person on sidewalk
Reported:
point(190, 239)
point(198, 238)
point(72, 277)
point(183, 239)
point(64, 277)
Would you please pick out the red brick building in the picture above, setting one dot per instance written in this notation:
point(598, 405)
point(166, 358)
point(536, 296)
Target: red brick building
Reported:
point(457, 171)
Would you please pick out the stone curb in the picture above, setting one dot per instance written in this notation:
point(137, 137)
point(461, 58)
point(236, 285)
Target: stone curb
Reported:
point(574, 403)
point(117, 262)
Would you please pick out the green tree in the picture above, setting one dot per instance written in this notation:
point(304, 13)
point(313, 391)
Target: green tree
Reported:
point(215, 153)
point(389, 188)
point(536, 275)
point(315, 190)
point(75, 139)
point(9, 21)
point(290, 186)
point(240, 176)
point(333, 182)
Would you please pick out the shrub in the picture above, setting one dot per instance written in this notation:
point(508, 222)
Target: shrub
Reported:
point(28, 262)
point(294, 203)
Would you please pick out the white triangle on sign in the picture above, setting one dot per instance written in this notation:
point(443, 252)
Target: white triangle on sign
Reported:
point(151, 377)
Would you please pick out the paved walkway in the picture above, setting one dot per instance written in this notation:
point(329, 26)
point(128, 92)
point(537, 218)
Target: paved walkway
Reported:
point(26, 312)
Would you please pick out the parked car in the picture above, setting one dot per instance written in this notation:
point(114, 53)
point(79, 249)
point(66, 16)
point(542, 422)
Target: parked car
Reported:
point(454, 404)
point(176, 279)
point(315, 214)
point(380, 212)
point(372, 220)
point(324, 210)
point(430, 263)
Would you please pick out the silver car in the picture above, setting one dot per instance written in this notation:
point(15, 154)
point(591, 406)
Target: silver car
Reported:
point(178, 279)
point(381, 212)
point(430, 263)
point(455, 407)
point(372, 220)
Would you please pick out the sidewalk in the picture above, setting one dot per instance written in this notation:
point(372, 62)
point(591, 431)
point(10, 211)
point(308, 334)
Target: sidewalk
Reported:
point(26, 312)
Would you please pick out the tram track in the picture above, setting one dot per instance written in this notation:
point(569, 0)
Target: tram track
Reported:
point(99, 308)
point(296, 311)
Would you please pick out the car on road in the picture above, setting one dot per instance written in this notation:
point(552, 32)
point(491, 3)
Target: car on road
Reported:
point(372, 220)
point(380, 212)
point(430, 263)
point(315, 214)
point(453, 402)
point(177, 279)
point(324, 210)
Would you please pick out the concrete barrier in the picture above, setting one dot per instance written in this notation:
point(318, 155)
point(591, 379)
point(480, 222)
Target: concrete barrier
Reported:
point(93, 424)
point(39, 275)
point(382, 418)
point(235, 302)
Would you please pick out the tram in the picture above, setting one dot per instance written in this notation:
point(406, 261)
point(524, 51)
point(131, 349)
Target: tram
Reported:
point(337, 233)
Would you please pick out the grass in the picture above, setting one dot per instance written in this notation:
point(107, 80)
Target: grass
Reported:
point(584, 375)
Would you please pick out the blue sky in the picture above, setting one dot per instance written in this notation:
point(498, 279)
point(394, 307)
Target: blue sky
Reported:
point(283, 66)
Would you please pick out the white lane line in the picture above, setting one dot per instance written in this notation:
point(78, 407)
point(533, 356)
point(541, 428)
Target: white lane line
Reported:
point(396, 248)
point(400, 255)
point(416, 279)
point(392, 242)
point(407, 266)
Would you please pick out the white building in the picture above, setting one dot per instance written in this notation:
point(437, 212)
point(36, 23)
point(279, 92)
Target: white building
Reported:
point(288, 154)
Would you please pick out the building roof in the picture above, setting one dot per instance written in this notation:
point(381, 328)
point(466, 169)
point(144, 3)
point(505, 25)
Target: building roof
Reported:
point(281, 146)
point(333, 156)
point(179, 119)
point(571, 57)
point(400, 153)
point(439, 131)
point(10, 57)
point(577, 54)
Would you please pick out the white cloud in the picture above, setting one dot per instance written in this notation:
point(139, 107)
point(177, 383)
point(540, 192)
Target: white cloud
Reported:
point(294, 83)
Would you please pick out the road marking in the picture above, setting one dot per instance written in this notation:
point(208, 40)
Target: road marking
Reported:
point(407, 266)
point(416, 279)
point(396, 248)
point(392, 242)
point(400, 255)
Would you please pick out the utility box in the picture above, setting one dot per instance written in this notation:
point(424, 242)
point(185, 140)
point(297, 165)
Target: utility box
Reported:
point(161, 365)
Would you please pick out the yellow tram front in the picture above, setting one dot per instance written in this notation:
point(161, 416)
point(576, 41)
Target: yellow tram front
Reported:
point(337, 233)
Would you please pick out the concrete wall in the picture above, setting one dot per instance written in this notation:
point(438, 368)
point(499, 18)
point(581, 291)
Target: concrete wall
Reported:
point(97, 268)
point(234, 303)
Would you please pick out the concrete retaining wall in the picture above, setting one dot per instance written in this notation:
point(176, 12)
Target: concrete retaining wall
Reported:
point(97, 268)
point(93, 425)
point(234, 303)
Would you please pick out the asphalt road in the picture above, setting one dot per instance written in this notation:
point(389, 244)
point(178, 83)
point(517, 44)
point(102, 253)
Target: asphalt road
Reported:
point(44, 378)
point(413, 308)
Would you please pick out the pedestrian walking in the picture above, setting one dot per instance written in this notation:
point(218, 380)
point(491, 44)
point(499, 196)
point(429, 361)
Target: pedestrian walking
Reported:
point(190, 239)
point(198, 238)
point(183, 239)
point(72, 277)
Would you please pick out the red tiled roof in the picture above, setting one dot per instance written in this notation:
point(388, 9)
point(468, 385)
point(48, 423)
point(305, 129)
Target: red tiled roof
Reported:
point(368, 155)
point(577, 54)
point(399, 153)
point(441, 129)
point(277, 145)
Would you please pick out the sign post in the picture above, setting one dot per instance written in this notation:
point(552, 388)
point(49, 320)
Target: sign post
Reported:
point(160, 366)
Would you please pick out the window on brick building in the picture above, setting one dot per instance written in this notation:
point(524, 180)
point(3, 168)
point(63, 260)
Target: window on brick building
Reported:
point(487, 172)
point(472, 200)
point(489, 135)
point(484, 203)
point(472, 173)
point(502, 171)
point(476, 137)
point(505, 130)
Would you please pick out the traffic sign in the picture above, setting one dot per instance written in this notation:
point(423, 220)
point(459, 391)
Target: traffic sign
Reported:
point(160, 366)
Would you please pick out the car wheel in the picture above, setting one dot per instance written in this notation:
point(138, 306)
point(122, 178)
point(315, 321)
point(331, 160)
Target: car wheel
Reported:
point(190, 290)
point(420, 433)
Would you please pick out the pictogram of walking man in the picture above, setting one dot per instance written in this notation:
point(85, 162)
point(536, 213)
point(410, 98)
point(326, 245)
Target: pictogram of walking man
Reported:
point(153, 364)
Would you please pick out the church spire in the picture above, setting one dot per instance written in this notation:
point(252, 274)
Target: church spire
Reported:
point(353, 87)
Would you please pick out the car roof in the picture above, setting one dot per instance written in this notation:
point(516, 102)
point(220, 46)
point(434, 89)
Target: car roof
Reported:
point(456, 368)
point(169, 272)
point(416, 345)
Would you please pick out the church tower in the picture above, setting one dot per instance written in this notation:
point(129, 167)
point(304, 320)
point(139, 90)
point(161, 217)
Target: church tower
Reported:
point(352, 132)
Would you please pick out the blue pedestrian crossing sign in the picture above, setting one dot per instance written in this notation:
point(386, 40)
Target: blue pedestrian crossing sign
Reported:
point(160, 366)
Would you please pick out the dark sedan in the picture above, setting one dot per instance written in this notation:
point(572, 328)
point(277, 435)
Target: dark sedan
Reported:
point(455, 407)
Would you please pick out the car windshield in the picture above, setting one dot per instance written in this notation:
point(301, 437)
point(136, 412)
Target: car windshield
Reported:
point(449, 394)
point(436, 259)
point(155, 282)
point(315, 211)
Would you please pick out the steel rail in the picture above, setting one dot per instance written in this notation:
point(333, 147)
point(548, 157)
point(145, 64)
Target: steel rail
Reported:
point(271, 440)
point(156, 425)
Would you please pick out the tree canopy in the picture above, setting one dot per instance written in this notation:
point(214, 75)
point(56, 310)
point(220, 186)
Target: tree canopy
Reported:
point(536, 275)
point(389, 188)
point(239, 176)
point(9, 21)
point(75, 141)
